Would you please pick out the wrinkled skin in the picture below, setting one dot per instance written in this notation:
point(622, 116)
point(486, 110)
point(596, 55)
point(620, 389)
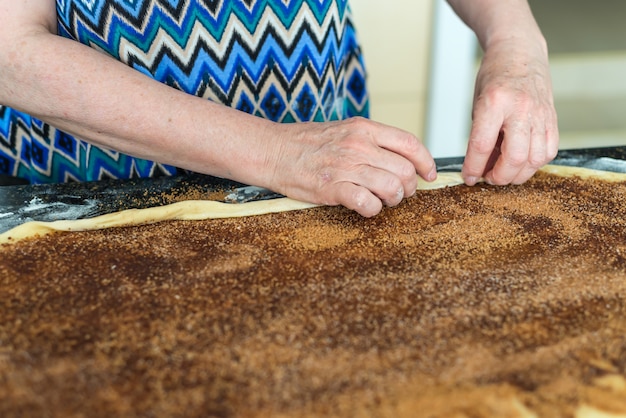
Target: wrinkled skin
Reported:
point(356, 163)
point(514, 129)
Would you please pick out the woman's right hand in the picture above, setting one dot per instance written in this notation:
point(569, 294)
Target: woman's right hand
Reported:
point(357, 163)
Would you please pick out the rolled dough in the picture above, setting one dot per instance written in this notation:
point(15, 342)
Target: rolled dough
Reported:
point(207, 209)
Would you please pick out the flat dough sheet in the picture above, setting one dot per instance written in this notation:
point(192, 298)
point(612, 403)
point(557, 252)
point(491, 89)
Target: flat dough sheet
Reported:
point(208, 209)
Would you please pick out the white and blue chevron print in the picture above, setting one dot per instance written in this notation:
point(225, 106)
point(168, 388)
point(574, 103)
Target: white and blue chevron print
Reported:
point(284, 60)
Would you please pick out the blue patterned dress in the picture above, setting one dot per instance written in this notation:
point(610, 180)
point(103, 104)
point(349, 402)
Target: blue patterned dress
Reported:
point(284, 60)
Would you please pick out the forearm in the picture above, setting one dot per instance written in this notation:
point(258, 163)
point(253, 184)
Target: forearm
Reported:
point(92, 96)
point(496, 21)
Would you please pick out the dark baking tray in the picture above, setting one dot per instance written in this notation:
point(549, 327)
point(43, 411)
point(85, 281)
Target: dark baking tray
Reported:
point(50, 202)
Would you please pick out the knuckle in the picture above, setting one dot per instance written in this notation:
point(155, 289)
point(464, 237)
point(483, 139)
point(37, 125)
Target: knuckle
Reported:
point(364, 203)
point(493, 96)
point(359, 198)
point(357, 120)
point(516, 159)
point(393, 185)
point(393, 194)
point(410, 143)
point(502, 97)
point(481, 144)
point(407, 172)
point(357, 124)
point(552, 151)
point(536, 161)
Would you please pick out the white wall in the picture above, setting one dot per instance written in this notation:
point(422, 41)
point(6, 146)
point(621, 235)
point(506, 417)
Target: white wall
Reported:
point(421, 62)
point(451, 83)
point(396, 36)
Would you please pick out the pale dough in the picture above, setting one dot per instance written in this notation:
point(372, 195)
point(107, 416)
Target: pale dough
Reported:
point(207, 209)
point(189, 210)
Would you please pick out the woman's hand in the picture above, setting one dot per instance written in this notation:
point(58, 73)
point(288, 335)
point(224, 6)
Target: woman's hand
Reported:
point(357, 163)
point(514, 130)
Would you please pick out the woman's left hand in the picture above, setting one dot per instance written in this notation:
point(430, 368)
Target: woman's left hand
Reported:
point(514, 130)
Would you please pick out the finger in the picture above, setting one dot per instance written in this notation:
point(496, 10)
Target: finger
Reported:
point(390, 174)
point(386, 174)
point(552, 136)
point(482, 141)
point(515, 149)
point(409, 147)
point(495, 154)
point(383, 184)
point(537, 156)
point(357, 198)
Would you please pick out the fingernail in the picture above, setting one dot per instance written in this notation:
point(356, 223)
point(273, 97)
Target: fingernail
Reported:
point(432, 175)
point(471, 180)
point(398, 199)
point(400, 193)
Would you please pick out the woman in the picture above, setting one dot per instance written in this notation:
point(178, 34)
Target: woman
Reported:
point(183, 83)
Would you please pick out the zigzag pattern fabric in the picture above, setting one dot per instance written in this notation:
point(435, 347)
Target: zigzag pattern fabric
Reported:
point(284, 60)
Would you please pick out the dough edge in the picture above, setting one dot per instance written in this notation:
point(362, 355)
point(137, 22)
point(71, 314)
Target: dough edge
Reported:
point(209, 209)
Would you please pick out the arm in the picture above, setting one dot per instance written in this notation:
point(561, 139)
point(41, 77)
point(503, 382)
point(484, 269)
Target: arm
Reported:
point(514, 130)
point(357, 163)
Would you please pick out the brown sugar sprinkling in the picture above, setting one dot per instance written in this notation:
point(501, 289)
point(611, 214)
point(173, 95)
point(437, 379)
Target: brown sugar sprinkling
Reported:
point(481, 301)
